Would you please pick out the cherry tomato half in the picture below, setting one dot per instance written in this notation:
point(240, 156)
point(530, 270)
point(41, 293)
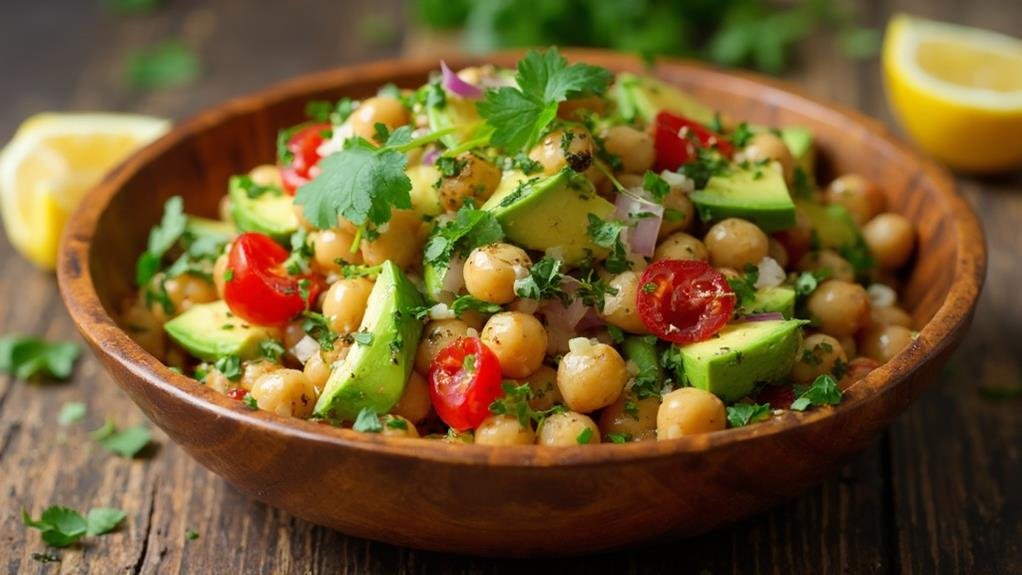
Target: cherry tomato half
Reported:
point(464, 379)
point(675, 140)
point(304, 146)
point(684, 301)
point(259, 290)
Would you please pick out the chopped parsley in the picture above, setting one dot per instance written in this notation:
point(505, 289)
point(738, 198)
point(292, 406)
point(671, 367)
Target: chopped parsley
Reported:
point(543, 281)
point(126, 443)
point(520, 114)
point(469, 229)
point(367, 421)
point(191, 535)
point(607, 234)
point(619, 437)
point(744, 287)
point(708, 163)
point(801, 184)
point(823, 391)
point(334, 113)
point(742, 135)
point(250, 402)
point(271, 349)
point(742, 414)
point(464, 303)
point(230, 366)
point(808, 281)
point(526, 164)
point(316, 326)
point(351, 271)
point(297, 263)
point(161, 238)
point(71, 412)
point(584, 436)
point(450, 167)
point(515, 402)
point(656, 186)
point(63, 526)
point(253, 190)
point(396, 423)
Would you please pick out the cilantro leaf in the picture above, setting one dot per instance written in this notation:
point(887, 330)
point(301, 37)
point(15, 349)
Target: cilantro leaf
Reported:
point(543, 281)
point(744, 287)
point(656, 186)
point(823, 391)
point(126, 443)
point(367, 421)
point(71, 412)
point(807, 282)
point(230, 366)
point(464, 303)
point(584, 436)
point(161, 238)
point(519, 115)
point(607, 234)
point(271, 349)
point(742, 414)
point(191, 535)
point(361, 183)
point(28, 357)
point(469, 229)
point(60, 526)
point(164, 65)
point(101, 520)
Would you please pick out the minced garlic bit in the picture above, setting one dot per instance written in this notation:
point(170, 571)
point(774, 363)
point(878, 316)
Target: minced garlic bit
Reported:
point(581, 345)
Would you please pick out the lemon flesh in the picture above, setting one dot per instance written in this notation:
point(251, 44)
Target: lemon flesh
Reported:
point(51, 162)
point(957, 91)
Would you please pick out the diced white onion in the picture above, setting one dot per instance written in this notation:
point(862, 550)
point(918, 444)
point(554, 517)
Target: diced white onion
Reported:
point(581, 345)
point(454, 277)
point(771, 274)
point(338, 136)
point(304, 349)
point(678, 181)
point(881, 295)
point(441, 311)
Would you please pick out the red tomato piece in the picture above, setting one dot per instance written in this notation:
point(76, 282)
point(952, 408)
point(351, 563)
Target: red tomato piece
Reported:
point(304, 146)
point(237, 393)
point(259, 290)
point(684, 301)
point(464, 379)
point(676, 138)
point(778, 396)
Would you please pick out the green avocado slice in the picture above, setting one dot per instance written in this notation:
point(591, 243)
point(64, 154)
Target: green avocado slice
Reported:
point(755, 193)
point(210, 331)
point(780, 299)
point(741, 355)
point(643, 97)
point(269, 213)
point(551, 213)
point(374, 373)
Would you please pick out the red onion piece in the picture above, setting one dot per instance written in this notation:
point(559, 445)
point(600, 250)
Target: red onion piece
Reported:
point(455, 85)
point(561, 320)
point(768, 316)
point(643, 235)
point(429, 158)
point(590, 320)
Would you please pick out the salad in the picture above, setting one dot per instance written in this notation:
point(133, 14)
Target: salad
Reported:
point(550, 255)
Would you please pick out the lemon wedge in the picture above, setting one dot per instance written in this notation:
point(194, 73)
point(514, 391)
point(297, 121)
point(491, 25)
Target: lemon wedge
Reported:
point(957, 91)
point(51, 162)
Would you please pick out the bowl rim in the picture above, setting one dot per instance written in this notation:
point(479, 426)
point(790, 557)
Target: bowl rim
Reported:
point(100, 330)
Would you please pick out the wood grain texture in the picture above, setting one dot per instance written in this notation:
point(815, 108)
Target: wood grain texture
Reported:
point(875, 517)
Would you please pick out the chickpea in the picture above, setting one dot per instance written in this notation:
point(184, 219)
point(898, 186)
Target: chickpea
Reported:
point(187, 290)
point(379, 110)
point(689, 411)
point(344, 303)
point(397, 426)
point(891, 239)
point(217, 381)
point(632, 417)
point(735, 243)
point(883, 342)
point(634, 147)
point(474, 318)
point(817, 356)
point(317, 370)
point(569, 147)
point(848, 345)
point(681, 246)
point(799, 238)
point(619, 308)
point(543, 384)
point(253, 370)
point(838, 266)
point(840, 307)
point(861, 197)
point(679, 213)
point(225, 209)
point(285, 392)
point(266, 175)
point(476, 179)
point(146, 327)
point(591, 376)
point(503, 430)
point(767, 146)
point(518, 340)
point(332, 248)
point(415, 403)
point(338, 352)
point(777, 251)
point(490, 272)
point(890, 315)
point(220, 275)
point(437, 335)
point(568, 428)
point(400, 242)
point(293, 333)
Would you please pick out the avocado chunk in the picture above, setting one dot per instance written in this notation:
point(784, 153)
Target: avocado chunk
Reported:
point(799, 141)
point(778, 299)
point(218, 231)
point(642, 352)
point(551, 213)
point(269, 213)
point(643, 97)
point(453, 112)
point(425, 200)
point(210, 331)
point(755, 193)
point(741, 355)
point(374, 373)
point(833, 227)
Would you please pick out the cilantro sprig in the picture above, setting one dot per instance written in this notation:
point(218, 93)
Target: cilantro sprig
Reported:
point(543, 281)
point(607, 234)
point(519, 115)
point(469, 229)
point(28, 357)
point(63, 526)
point(161, 239)
point(742, 414)
point(363, 182)
point(823, 391)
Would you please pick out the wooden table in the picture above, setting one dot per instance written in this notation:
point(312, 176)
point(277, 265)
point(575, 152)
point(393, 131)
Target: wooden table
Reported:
point(939, 492)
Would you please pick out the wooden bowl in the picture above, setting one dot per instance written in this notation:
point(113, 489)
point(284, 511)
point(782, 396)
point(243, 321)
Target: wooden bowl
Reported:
point(525, 500)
